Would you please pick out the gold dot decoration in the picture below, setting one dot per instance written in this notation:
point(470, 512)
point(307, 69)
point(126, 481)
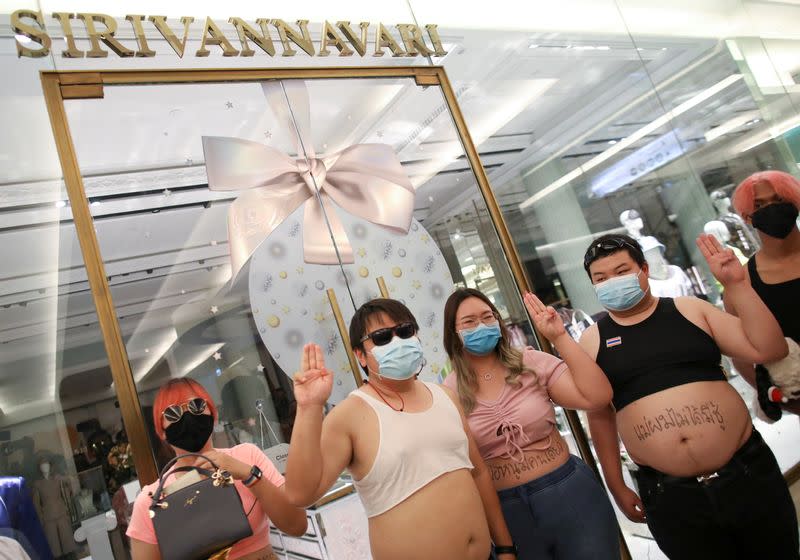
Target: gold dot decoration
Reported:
point(363, 272)
point(361, 252)
point(416, 284)
point(274, 321)
point(319, 317)
point(397, 272)
point(283, 274)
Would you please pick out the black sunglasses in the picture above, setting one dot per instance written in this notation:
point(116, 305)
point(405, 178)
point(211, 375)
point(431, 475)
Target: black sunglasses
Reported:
point(382, 337)
point(196, 406)
point(605, 246)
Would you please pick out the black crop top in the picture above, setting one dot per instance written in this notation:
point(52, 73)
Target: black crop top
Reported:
point(663, 351)
point(782, 299)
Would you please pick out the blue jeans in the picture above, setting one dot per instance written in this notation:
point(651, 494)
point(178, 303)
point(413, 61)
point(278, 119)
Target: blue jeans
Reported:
point(562, 515)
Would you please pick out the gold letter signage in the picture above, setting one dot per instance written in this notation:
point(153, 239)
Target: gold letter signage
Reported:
point(403, 39)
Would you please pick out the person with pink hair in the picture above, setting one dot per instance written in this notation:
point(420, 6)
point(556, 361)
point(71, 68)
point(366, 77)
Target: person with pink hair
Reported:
point(769, 201)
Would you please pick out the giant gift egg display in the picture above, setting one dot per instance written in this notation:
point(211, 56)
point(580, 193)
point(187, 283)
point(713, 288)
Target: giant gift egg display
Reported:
point(339, 221)
point(289, 296)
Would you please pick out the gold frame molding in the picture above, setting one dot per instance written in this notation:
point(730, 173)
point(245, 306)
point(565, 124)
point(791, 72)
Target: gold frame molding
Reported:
point(60, 86)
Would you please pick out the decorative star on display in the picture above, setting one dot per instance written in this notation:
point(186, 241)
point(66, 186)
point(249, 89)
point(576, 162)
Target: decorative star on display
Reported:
point(260, 368)
point(268, 134)
point(229, 105)
point(166, 192)
point(189, 161)
point(416, 284)
point(362, 252)
point(217, 356)
point(319, 317)
point(214, 309)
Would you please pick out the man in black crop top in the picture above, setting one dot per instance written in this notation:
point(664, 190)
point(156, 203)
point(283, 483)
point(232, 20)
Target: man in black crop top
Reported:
point(710, 487)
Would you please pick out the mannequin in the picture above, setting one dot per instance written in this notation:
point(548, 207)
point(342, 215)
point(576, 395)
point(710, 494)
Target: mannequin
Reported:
point(48, 497)
point(718, 229)
point(632, 222)
point(666, 280)
point(739, 233)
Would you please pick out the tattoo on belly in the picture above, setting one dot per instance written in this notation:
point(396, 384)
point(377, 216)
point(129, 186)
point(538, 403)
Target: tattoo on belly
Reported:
point(530, 464)
point(672, 418)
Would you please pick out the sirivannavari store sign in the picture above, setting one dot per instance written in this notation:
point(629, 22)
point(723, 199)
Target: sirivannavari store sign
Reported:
point(340, 38)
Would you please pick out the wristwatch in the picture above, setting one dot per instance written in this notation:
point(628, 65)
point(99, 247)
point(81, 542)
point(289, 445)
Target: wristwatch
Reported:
point(255, 476)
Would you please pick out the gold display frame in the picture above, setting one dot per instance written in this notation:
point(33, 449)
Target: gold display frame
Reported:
point(61, 86)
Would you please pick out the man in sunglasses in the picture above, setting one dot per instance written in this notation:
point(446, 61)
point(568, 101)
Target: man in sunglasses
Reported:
point(417, 471)
point(710, 487)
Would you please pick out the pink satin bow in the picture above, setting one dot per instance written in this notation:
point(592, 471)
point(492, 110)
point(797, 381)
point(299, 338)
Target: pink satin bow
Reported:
point(366, 180)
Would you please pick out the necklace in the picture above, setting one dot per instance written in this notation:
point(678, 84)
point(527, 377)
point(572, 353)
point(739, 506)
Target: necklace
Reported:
point(488, 375)
point(399, 396)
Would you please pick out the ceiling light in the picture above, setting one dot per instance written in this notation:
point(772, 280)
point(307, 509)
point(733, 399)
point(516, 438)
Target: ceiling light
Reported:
point(61, 203)
point(729, 126)
point(630, 140)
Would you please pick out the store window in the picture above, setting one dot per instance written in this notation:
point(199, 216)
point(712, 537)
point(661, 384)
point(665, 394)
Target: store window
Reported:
point(66, 466)
point(334, 192)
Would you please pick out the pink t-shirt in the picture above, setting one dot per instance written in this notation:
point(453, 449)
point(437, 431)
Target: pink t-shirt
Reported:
point(141, 526)
point(522, 418)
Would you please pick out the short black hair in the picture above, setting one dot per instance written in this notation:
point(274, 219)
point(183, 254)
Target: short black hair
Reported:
point(391, 307)
point(609, 244)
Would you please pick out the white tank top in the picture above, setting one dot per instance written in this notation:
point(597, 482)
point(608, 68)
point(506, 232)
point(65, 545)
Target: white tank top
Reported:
point(414, 448)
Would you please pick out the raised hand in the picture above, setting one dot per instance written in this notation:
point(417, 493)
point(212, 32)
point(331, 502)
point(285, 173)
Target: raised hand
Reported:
point(723, 262)
point(313, 383)
point(546, 319)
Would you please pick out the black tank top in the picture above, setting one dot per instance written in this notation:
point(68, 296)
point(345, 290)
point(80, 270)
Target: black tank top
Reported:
point(782, 299)
point(663, 351)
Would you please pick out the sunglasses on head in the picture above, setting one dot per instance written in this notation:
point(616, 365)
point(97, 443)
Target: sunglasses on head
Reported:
point(196, 406)
point(381, 337)
point(605, 246)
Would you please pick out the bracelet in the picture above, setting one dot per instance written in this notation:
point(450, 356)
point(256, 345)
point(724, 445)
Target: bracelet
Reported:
point(506, 549)
point(255, 476)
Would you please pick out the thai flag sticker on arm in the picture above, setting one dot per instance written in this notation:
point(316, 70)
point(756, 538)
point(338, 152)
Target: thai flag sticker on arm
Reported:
point(611, 342)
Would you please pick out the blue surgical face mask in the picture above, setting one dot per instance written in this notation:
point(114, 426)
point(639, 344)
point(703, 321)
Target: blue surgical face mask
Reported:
point(482, 339)
point(401, 359)
point(620, 293)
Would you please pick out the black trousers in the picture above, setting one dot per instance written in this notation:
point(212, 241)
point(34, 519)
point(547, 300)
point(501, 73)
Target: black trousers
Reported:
point(744, 513)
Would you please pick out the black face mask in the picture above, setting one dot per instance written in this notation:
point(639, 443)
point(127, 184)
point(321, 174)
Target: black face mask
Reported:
point(191, 432)
point(777, 219)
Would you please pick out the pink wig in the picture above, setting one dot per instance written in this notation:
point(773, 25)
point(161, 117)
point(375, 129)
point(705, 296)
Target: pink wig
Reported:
point(784, 185)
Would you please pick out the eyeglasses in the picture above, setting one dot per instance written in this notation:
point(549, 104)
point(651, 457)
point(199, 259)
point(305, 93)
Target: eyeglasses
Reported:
point(605, 246)
point(382, 337)
point(473, 322)
point(196, 406)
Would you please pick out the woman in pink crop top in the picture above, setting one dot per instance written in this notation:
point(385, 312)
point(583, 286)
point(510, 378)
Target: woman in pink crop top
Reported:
point(184, 416)
point(553, 504)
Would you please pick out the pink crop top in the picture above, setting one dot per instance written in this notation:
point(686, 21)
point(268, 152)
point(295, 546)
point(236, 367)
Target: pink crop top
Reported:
point(521, 416)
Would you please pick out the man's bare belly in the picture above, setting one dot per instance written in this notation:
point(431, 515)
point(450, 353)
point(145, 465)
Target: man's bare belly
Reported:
point(443, 520)
point(688, 430)
point(508, 473)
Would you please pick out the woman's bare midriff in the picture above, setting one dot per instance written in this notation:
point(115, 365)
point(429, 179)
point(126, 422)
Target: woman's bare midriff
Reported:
point(687, 430)
point(443, 520)
point(508, 473)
